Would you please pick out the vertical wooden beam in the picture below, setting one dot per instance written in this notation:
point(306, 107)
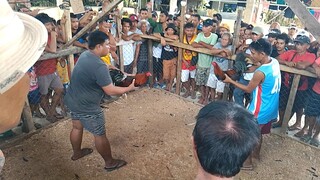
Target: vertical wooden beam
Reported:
point(179, 61)
point(150, 59)
point(292, 96)
point(68, 34)
point(249, 11)
point(120, 48)
point(27, 125)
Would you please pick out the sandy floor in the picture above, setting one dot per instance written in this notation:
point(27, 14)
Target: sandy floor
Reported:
point(151, 129)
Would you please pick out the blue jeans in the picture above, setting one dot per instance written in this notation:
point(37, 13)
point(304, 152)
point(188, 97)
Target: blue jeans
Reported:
point(239, 94)
point(94, 123)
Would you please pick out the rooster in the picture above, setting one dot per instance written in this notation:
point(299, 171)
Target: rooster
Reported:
point(123, 80)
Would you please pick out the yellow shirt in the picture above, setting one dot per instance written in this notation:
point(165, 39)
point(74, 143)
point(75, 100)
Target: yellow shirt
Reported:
point(187, 54)
point(106, 59)
point(62, 70)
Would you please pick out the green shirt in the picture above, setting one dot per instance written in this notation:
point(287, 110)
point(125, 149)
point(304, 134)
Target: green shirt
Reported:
point(204, 60)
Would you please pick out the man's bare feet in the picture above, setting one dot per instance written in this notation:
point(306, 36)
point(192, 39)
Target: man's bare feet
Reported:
point(200, 101)
point(294, 127)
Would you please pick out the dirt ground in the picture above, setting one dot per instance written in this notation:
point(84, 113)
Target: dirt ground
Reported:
point(151, 129)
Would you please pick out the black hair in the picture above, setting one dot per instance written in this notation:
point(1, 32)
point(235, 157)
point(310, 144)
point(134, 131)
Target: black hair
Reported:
point(188, 25)
point(214, 21)
point(54, 21)
point(170, 17)
point(143, 9)
point(44, 18)
point(165, 13)
point(197, 16)
point(59, 22)
point(126, 20)
point(218, 16)
point(224, 136)
point(95, 38)
point(284, 37)
point(243, 24)
point(73, 16)
point(250, 27)
point(261, 45)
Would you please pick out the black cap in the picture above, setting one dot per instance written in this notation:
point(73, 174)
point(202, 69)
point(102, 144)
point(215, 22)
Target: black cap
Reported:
point(207, 22)
point(172, 26)
point(302, 39)
point(274, 32)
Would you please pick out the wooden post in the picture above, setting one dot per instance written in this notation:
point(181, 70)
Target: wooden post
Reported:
point(92, 23)
point(150, 57)
point(27, 125)
point(306, 18)
point(249, 11)
point(68, 37)
point(292, 96)
point(120, 48)
point(234, 47)
point(180, 50)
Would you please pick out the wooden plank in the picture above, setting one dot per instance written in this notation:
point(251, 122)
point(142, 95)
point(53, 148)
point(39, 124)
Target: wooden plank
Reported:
point(292, 96)
point(179, 62)
point(120, 48)
point(27, 125)
point(308, 72)
point(306, 18)
point(68, 35)
point(60, 53)
point(92, 23)
point(150, 59)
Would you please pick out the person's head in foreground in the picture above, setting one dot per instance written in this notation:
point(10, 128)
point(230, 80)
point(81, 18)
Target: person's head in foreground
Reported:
point(224, 136)
point(260, 50)
point(98, 43)
point(23, 39)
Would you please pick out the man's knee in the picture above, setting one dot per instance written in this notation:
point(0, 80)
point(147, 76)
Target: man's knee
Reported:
point(76, 124)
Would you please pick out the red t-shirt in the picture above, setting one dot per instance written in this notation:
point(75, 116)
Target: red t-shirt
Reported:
point(287, 56)
point(46, 67)
point(316, 86)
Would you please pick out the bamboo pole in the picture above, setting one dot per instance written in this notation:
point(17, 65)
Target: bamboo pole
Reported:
point(120, 48)
point(68, 35)
point(292, 96)
point(27, 125)
point(180, 50)
point(92, 23)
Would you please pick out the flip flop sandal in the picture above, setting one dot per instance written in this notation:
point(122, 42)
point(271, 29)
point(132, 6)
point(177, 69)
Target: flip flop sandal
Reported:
point(290, 128)
point(315, 142)
point(298, 135)
point(247, 168)
point(276, 125)
point(84, 152)
point(305, 138)
point(120, 164)
point(58, 116)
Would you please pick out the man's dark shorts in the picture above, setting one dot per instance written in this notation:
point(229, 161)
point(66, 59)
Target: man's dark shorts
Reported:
point(265, 128)
point(313, 104)
point(94, 123)
point(299, 101)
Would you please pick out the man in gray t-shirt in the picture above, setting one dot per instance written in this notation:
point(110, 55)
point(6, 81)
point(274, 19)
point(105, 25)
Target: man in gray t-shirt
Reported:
point(90, 80)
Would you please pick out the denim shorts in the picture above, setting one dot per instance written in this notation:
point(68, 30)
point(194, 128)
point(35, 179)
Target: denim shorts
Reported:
point(94, 123)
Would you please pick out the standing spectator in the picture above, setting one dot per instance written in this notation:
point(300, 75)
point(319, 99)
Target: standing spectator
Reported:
point(214, 26)
point(224, 136)
point(272, 36)
point(205, 39)
point(136, 45)
point(81, 42)
point(143, 15)
point(300, 59)
point(169, 55)
point(282, 41)
point(221, 51)
point(195, 19)
point(292, 31)
point(128, 49)
point(217, 17)
point(158, 27)
point(90, 80)
point(188, 71)
point(265, 85)
point(142, 61)
point(46, 72)
point(223, 28)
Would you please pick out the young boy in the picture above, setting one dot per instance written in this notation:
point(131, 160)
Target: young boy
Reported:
point(205, 39)
point(221, 52)
point(128, 49)
point(169, 55)
point(188, 72)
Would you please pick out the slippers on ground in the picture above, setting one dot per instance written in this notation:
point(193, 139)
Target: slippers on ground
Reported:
point(58, 116)
point(315, 142)
point(299, 134)
point(276, 125)
point(293, 128)
point(119, 164)
point(305, 138)
point(84, 152)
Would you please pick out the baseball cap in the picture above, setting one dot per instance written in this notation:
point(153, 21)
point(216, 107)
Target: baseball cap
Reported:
point(257, 30)
point(133, 17)
point(303, 33)
point(302, 39)
point(224, 25)
point(207, 22)
point(154, 14)
point(172, 26)
point(293, 26)
point(274, 32)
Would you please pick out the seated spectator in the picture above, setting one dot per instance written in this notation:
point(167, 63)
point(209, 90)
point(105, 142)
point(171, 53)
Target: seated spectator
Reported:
point(300, 59)
point(224, 136)
point(292, 31)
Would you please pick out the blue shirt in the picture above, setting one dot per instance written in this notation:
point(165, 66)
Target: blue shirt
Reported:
point(265, 100)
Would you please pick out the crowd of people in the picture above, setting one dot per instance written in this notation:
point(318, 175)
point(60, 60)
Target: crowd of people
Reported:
point(262, 88)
